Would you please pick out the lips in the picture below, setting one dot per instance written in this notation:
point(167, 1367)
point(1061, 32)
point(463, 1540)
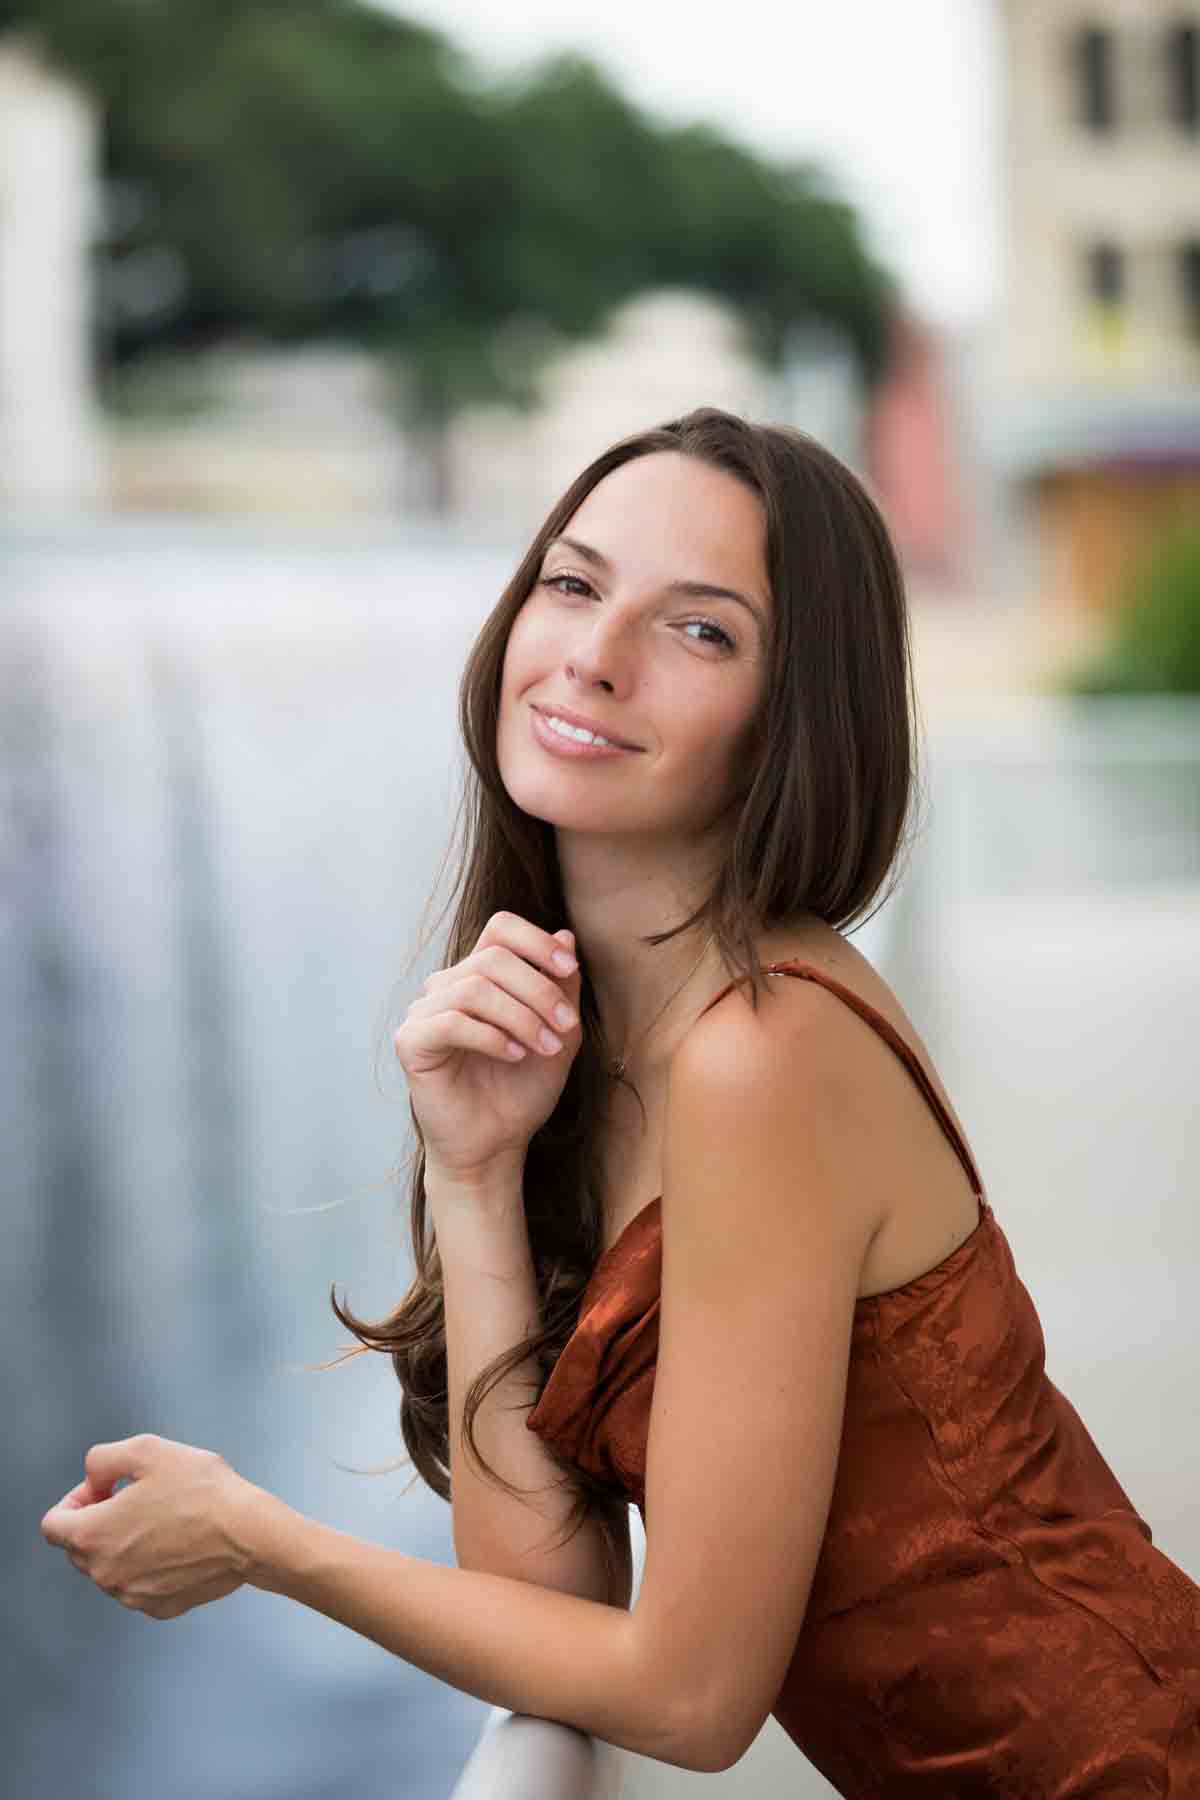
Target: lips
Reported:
point(595, 725)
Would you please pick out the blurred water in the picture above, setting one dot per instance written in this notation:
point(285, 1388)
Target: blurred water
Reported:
point(227, 770)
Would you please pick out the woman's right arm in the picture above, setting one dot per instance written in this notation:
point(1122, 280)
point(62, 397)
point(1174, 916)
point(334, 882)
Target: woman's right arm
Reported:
point(487, 1048)
point(491, 1303)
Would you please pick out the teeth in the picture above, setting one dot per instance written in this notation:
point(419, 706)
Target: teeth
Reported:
point(575, 731)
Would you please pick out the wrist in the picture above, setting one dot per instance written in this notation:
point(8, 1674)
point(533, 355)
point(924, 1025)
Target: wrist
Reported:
point(261, 1530)
point(495, 1187)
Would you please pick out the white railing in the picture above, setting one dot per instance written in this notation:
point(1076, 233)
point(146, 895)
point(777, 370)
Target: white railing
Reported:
point(520, 1758)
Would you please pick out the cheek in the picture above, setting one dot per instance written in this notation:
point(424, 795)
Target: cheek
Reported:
point(524, 671)
point(708, 736)
point(530, 647)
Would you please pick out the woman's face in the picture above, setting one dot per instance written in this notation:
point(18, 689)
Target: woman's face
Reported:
point(617, 632)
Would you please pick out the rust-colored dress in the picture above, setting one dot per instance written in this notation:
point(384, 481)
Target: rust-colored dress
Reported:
point(989, 1616)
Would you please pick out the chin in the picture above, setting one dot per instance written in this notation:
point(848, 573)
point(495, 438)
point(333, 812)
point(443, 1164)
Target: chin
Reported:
point(561, 810)
point(547, 795)
point(531, 791)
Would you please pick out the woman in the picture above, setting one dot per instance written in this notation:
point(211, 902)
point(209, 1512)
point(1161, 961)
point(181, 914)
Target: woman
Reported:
point(724, 1231)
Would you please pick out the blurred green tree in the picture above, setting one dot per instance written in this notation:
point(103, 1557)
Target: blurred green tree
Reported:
point(1154, 646)
point(322, 168)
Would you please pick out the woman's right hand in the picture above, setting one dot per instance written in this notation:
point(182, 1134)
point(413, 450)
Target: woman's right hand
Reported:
point(481, 1077)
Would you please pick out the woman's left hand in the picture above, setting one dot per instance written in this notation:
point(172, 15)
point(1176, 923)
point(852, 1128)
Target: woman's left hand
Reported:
point(171, 1539)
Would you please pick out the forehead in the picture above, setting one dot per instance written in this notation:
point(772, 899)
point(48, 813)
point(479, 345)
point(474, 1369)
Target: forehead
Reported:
point(673, 515)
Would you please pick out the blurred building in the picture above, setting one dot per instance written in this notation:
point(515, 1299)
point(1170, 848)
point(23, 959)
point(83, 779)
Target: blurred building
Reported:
point(818, 388)
point(665, 352)
point(50, 455)
point(916, 454)
point(909, 439)
point(1096, 389)
point(251, 428)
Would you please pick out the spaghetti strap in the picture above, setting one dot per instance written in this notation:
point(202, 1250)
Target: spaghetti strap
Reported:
point(887, 1031)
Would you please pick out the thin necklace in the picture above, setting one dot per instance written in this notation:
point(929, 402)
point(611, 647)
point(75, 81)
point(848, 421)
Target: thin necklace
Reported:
point(617, 1065)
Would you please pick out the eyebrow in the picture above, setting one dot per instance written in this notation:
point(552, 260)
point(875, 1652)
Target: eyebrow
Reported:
point(697, 590)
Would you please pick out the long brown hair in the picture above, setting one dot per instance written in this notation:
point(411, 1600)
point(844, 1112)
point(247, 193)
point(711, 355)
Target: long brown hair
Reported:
point(816, 825)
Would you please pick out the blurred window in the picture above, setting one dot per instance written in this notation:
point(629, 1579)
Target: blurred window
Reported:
point(1095, 77)
point(1105, 322)
point(1105, 274)
point(1183, 75)
point(1189, 282)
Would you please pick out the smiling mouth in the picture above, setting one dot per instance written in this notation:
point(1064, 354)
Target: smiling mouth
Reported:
point(572, 730)
point(563, 741)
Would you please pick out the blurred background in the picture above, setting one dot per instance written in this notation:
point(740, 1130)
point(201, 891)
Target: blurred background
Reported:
point(308, 312)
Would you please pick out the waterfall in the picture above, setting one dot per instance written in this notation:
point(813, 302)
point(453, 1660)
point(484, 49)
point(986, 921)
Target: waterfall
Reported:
point(228, 769)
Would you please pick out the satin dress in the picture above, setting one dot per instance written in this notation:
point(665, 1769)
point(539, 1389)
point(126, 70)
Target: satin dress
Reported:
point(989, 1615)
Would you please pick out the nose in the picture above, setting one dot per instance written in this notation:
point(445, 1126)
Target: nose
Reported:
point(601, 658)
point(580, 674)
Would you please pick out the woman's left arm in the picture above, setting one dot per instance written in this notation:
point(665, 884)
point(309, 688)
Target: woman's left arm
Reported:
point(764, 1232)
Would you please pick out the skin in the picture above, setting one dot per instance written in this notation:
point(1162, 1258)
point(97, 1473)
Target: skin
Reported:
point(750, 1294)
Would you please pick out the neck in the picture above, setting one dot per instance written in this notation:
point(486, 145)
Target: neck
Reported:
point(617, 895)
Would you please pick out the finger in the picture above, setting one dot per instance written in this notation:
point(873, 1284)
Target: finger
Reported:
point(423, 1044)
point(549, 998)
point(67, 1526)
point(105, 1464)
point(544, 949)
point(524, 966)
point(78, 1496)
point(481, 996)
point(483, 1001)
point(57, 1526)
point(86, 1493)
point(554, 953)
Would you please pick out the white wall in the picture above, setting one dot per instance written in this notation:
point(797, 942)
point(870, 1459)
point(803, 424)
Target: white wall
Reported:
point(49, 140)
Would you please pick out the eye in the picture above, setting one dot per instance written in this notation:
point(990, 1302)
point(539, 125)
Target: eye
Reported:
point(552, 581)
point(722, 640)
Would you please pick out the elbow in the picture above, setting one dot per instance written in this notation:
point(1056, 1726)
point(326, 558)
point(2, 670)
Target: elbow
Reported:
point(697, 1718)
point(702, 1754)
point(704, 1737)
point(709, 1747)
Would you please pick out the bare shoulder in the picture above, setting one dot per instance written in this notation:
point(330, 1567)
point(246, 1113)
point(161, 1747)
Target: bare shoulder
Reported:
point(806, 1070)
point(742, 1042)
point(765, 1125)
point(797, 1016)
point(792, 1072)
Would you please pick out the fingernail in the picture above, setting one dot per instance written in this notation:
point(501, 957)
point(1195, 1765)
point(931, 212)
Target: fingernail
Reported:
point(563, 962)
